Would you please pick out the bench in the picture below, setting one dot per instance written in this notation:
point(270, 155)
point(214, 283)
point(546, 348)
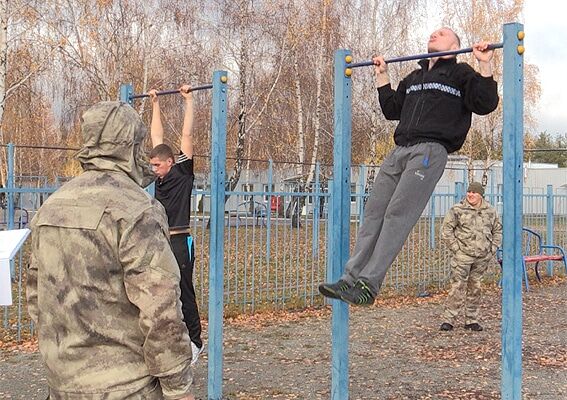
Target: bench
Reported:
point(533, 251)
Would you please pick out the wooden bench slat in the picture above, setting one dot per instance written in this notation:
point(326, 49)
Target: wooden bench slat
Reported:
point(543, 257)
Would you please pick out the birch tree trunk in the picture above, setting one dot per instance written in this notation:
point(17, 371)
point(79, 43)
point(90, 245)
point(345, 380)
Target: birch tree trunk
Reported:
point(319, 68)
point(319, 71)
point(295, 205)
point(242, 107)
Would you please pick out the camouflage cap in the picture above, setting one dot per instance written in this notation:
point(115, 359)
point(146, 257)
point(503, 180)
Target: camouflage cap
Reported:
point(476, 187)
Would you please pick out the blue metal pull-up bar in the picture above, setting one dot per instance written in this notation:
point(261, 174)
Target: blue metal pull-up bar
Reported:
point(127, 90)
point(172, 91)
point(424, 55)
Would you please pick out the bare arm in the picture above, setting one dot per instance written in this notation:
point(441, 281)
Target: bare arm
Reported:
point(381, 71)
point(484, 58)
point(156, 128)
point(187, 130)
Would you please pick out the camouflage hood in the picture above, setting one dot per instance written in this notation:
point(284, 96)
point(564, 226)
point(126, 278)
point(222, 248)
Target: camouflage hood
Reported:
point(112, 141)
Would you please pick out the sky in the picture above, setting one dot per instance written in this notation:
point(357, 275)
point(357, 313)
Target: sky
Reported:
point(546, 46)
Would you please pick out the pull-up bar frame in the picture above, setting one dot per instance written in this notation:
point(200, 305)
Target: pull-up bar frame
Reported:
point(127, 94)
point(424, 55)
point(216, 240)
point(512, 134)
point(173, 91)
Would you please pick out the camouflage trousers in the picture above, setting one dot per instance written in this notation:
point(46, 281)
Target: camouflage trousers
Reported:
point(150, 392)
point(466, 275)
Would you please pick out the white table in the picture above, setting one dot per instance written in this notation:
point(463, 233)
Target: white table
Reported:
point(10, 243)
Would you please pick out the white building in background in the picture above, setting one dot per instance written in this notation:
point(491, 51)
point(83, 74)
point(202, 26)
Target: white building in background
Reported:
point(537, 176)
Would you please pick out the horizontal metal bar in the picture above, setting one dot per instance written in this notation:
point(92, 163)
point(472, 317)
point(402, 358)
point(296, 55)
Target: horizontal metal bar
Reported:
point(292, 194)
point(172, 91)
point(29, 190)
point(542, 150)
point(28, 146)
point(424, 55)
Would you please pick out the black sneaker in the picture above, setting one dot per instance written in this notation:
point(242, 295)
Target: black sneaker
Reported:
point(445, 326)
point(474, 327)
point(359, 295)
point(334, 290)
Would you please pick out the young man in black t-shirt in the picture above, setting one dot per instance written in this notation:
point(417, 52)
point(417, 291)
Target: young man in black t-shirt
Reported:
point(173, 189)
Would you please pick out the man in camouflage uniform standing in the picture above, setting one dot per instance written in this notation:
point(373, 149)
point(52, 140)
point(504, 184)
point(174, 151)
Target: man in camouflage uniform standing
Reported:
point(103, 284)
point(473, 232)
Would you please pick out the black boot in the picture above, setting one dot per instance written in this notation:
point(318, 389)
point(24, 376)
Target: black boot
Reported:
point(445, 326)
point(474, 327)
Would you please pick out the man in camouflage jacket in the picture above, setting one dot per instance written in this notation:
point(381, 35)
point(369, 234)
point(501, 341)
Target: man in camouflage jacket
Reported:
point(473, 232)
point(103, 284)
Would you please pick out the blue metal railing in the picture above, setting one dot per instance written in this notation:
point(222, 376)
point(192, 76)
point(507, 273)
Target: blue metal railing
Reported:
point(269, 263)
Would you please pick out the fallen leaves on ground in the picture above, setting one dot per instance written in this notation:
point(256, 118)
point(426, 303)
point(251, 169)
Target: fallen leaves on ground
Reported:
point(28, 345)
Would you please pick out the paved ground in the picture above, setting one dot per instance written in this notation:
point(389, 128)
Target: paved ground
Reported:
point(396, 352)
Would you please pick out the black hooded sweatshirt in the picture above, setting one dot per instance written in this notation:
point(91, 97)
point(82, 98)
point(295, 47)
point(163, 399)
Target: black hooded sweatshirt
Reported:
point(436, 105)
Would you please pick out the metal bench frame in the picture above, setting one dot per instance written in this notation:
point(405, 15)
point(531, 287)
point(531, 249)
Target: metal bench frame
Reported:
point(536, 256)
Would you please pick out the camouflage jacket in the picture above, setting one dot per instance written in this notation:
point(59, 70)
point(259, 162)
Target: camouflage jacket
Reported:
point(476, 232)
point(103, 283)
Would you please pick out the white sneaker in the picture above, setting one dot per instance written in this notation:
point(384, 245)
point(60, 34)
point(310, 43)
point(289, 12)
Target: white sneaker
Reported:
point(196, 352)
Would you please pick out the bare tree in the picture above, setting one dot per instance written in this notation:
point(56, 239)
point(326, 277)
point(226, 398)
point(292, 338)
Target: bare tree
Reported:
point(483, 20)
point(279, 56)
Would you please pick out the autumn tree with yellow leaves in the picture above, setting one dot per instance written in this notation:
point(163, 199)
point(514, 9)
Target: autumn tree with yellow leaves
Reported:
point(57, 57)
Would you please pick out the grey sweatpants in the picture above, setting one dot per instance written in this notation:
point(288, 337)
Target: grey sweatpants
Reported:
point(401, 191)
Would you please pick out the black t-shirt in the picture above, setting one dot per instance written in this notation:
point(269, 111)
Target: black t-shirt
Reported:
point(174, 191)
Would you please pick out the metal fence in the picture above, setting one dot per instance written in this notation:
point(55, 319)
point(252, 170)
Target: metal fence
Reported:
point(276, 240)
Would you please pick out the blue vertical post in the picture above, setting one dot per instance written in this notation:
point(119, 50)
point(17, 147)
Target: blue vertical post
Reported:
point(330, 207)
point(216, 247)
point(151, 189)
point(10, 186)
point(550, 227)
point(316, 197)
point(10, 209)
point(269, 219)
point(513, 149)
point(362, 173)
point(341, 221)
point(493, 198)
point(432, 222)
point(126, 91)
point(316, 212)
point(459, 191)
point(10, 198)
